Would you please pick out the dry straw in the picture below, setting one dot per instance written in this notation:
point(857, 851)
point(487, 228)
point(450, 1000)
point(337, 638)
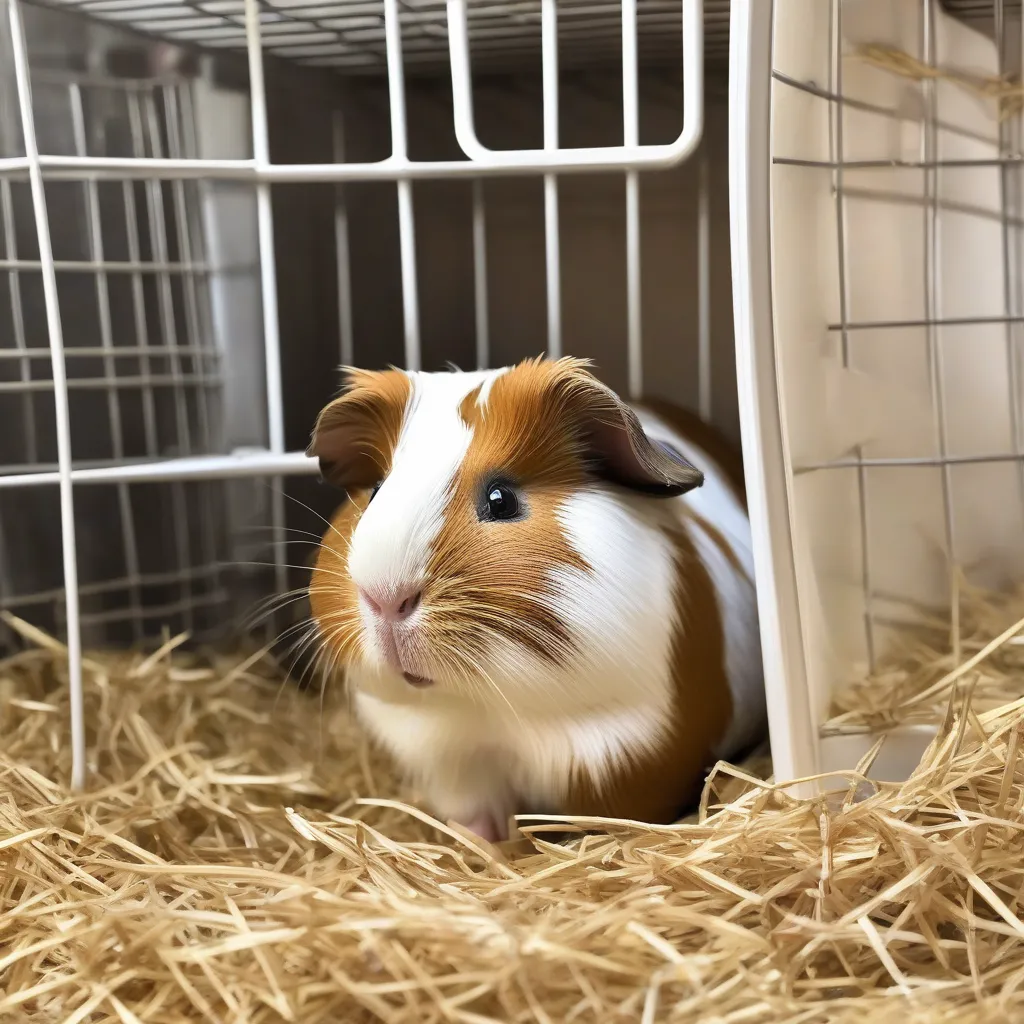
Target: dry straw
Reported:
point(931, 659)
point(224, 866)
point(1005, 90)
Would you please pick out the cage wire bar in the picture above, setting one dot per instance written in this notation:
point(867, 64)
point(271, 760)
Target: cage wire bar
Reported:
point(836, 115)
point(631, 137)
point(1013, 247)
point(95, 240)
point(349, 36)
point(481, 320)
point(62, 412)
point(549, 87)
point(482, 161)
point(177, 166)
point(346, 334)
point(268, 287)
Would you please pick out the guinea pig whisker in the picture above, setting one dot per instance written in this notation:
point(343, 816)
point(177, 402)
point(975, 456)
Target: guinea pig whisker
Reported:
point(318, 666)
point(480, 616)
point(471, 679)
point(295, 627)
point(265, 528)
point(288, 565)
point(302, 504)
point(486, 677)
point(329, 653)
point(307, 642)
point(257, 618)
point(309, 540)
point(294, 650)
point(263, 609)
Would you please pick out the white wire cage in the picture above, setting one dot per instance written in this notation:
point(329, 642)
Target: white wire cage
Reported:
point(192, 243)
point(878, 280)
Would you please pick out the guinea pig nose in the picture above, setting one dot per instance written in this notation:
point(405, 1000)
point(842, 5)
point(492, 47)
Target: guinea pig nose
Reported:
point(409, 604)
point(396, 605)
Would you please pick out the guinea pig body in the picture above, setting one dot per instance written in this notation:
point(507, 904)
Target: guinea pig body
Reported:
point(539, 604)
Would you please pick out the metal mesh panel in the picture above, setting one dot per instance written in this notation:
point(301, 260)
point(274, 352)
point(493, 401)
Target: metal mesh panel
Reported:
point(140, 203)
point(144, 373)
point(350, 35)
point(880, 307)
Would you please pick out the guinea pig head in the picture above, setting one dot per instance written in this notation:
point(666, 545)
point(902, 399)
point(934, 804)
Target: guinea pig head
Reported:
point(454, 563)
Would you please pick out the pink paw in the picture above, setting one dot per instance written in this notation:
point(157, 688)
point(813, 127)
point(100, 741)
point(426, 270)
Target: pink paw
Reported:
point(486, 827)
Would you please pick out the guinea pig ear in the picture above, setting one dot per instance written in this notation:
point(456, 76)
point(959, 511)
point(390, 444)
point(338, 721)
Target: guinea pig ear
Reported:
point(356, 435)
point(620, 448)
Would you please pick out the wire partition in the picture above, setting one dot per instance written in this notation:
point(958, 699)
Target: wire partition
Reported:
point(163, 156)
point(53, 324)
point(932, 165)
point(890, 314)
point(352, 37)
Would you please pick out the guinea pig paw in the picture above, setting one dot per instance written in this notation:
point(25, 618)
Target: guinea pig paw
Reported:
point(486, 827)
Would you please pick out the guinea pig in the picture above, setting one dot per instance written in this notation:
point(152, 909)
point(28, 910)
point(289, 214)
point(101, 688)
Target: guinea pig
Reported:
point(539, 602)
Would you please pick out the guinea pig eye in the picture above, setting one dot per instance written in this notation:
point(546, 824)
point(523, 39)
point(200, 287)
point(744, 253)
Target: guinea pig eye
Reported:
point(502, 502)
point(373, 492)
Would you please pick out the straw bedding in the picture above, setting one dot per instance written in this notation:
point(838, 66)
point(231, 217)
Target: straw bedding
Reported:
point(223, 867)
point(931, 658)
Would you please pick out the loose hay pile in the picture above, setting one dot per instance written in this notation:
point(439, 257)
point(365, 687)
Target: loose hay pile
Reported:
point(222, 868)
point(980, 652)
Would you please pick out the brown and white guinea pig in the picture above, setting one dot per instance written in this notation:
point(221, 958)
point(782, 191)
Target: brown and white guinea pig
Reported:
point(540, 604)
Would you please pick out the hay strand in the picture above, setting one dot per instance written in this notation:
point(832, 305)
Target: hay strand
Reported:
point(928, 668)
point(226, 865)
point(1006, 91)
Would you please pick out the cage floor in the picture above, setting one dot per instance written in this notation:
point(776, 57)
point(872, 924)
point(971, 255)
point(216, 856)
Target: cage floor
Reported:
point(224, 866)
point(349, 34)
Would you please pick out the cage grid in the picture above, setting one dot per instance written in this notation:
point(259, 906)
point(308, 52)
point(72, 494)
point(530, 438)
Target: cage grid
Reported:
point(351, 36)
point(155, 178)
point(854, 391)
point(155, 393)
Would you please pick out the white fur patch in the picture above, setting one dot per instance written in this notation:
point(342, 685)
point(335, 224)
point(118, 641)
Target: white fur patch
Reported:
point(392, 541)
point(474, 755)
point(620, 610)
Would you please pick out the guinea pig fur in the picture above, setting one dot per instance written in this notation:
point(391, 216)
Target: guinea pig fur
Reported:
point(538, 603)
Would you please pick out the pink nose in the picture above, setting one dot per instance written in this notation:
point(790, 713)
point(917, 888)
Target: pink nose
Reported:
point(394, 604)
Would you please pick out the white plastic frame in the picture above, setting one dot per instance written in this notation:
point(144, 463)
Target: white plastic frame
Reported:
point(823, 369)
point(793, 730)
point(630, 158)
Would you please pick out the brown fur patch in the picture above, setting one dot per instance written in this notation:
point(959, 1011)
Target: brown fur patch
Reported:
point(356, 435)
point(494, 576)
point(333, 600)
point(657, 787)
point(469, 411)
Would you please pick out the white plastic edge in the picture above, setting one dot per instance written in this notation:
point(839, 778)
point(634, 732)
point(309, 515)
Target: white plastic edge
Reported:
point(604, 158)
point(242, 463)
point(794, 734)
